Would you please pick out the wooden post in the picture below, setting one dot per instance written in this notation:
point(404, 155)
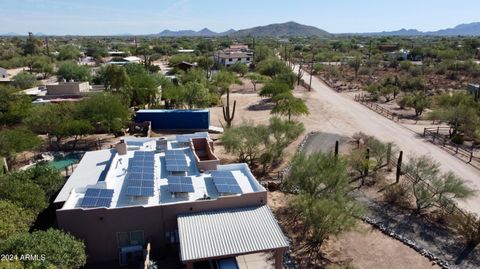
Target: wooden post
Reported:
point(367, 160)
point(471, 157)
point(399, 167)
point(389, 155)
point(424, 131)
point(438, 130)
point(336, 149)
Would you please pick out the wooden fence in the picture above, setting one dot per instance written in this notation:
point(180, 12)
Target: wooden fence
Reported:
point(376, 107)
point(441, 136)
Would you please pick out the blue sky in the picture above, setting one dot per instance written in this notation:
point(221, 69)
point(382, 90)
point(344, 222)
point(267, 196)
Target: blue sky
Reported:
point(142, 16)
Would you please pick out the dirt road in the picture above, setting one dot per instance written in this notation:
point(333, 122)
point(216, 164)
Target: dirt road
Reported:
point(335, 113)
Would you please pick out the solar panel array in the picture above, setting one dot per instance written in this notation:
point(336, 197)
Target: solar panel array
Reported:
point(97, 198)
point(140, 175)
point(225, 182)
point(176, 161)
point(180, 184)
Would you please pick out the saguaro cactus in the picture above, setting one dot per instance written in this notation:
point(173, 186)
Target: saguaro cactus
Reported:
point(226, 111)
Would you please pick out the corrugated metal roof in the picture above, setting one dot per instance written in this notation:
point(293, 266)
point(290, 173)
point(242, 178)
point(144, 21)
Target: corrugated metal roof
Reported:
point(228, 232)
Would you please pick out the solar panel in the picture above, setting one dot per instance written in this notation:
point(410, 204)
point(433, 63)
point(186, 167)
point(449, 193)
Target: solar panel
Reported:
point(225, 182)
point(180, 184)
point(176, 161)
point(140, 191)
point(95, 197)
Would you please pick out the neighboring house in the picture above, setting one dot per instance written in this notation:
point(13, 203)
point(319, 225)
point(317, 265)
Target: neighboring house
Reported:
point(185, 66)
point(68, 88)
point(234, 54)
point(153, 191)
point(126, 60)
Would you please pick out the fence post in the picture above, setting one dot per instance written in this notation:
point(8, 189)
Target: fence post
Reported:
point(367, 160)
point(336, 149)
point(438, 130)
point(424, 132)
point(389, 155)
point(399, 167)
point(456, 150)
point(471, 157)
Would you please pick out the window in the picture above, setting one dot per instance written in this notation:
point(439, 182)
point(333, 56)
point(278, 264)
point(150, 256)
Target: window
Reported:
point(131, 238)
point(239, 59)
point(248, 59)
point(230, 59)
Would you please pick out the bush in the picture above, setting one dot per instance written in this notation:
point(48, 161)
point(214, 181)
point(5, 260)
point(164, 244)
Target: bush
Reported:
point(13, 219)
point(23, 193)
point(458, 139)
point(398, 194)
point(24, 80)
point(60, 250)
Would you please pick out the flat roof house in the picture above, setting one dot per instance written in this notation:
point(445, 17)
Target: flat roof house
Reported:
point(234, 54)
point(150, 190)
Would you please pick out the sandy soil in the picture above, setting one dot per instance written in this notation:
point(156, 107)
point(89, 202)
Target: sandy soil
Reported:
point(365, 248)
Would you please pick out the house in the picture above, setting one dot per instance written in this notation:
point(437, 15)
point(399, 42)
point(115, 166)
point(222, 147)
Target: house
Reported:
point(70, 88)
point(150, 191)
point(185, 66)
point(126, 60)
point(234, 54)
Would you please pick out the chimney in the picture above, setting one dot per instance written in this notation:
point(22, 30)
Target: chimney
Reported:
point(121, 147)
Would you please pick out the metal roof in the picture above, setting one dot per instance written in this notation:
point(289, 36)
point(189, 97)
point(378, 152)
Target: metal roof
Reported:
point(228, 232)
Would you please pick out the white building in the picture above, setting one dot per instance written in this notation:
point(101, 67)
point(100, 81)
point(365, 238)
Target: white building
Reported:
point(233, 55)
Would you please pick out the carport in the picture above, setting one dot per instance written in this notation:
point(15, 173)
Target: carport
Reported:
point(229, 233)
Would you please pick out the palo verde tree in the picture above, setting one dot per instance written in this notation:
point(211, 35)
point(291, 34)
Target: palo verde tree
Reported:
point(323, 204)
point(256, 78)
point(431, 188)
point(17, 140)
point(288, 105)
point(418, 101)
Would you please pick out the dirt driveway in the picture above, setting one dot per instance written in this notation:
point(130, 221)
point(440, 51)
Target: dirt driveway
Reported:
point(335, 113)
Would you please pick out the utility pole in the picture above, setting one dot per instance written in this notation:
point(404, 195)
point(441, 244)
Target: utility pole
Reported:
point(46, 44)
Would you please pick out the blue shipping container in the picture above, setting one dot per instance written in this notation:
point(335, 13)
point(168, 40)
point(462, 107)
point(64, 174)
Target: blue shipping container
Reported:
point(175, 119)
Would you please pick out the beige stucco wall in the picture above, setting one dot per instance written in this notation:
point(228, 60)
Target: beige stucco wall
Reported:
point(68, 88)
point(99, 227)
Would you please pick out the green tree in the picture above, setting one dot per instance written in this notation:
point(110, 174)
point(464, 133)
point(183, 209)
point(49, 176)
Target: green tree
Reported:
point(44, 175)
point(71, 70)
point(273, 88)
point(14, 106)
point(115, 77)
point(355, 64)
point(24, 80)
point(224, 79)
point(19, 192)
point(245, 141)
point(68, 52)
point(460, 111)
point(72, 128)
point(13, 219)
point(60, 249)
point(256, 78)
point(42, 64)
point(105, 112)
point(17, 140)
point(272, 67)
point(30, 47)
point(433, 189)
point(418, 101)
point(195, 94)
point(143, 89)
point(288, 105)
point(239, 68)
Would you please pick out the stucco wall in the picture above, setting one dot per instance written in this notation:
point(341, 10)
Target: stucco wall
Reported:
point(99, 227)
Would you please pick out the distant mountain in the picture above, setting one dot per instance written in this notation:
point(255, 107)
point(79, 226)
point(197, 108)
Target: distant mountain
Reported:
point(468, 29)
point(205, 32)
point(9, 34)
point(283, 29)
point(229, 32)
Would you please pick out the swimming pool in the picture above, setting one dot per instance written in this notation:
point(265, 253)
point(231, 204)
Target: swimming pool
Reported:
point(61, 161)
